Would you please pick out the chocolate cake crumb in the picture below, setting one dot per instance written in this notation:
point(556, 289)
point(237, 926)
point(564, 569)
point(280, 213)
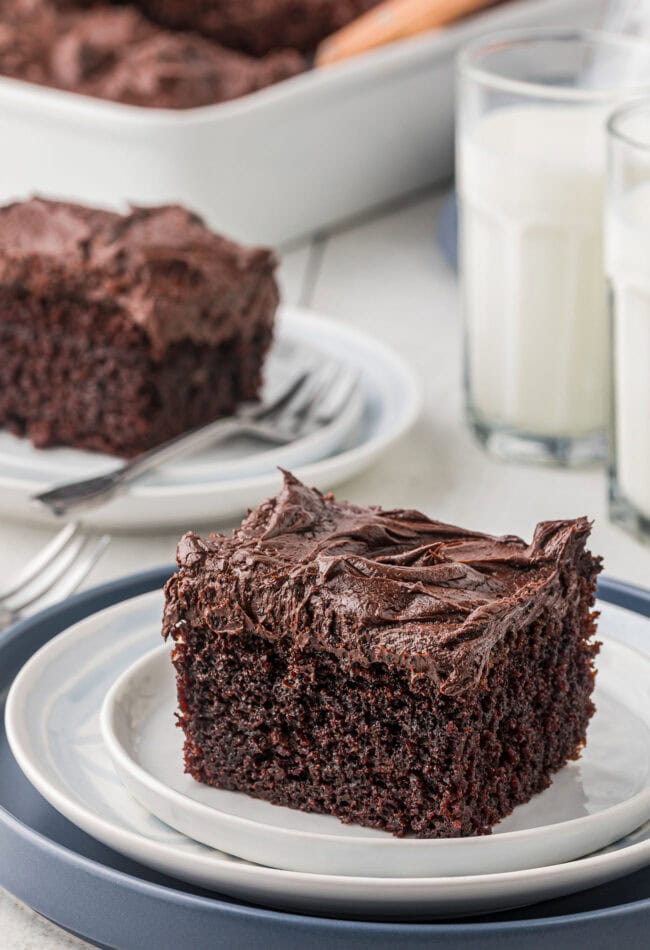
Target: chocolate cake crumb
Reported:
point(390, 670)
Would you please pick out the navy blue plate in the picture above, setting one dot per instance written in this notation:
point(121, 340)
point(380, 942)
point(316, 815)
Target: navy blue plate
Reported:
point(113, 902)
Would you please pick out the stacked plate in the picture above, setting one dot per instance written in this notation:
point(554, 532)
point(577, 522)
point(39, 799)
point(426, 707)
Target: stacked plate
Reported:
point(90, 721)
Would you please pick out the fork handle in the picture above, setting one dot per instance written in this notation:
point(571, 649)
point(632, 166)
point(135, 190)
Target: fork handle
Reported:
point(185, 444)
point(92, 492)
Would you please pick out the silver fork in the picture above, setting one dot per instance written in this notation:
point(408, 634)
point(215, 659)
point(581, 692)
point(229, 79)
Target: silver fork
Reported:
point(55, 573)
point(311, 400)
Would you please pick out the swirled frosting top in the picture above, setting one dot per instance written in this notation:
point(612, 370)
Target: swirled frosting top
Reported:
point(373, 586)
point(169, 273)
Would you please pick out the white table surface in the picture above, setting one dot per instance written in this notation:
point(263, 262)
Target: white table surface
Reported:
point(386, 276)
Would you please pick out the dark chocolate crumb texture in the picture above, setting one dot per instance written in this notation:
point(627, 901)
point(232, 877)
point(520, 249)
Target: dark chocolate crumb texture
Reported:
point(381, 667)
point(118, 332)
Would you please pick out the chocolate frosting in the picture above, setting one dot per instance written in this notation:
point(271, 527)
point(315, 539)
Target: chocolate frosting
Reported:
point(25, 26)
point(116, 53)
point(259, 25)
point(373, 586)
point(162, 266)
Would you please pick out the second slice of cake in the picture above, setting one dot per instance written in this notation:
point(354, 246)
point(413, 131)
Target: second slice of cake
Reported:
point(118, 332)
point(381, 667)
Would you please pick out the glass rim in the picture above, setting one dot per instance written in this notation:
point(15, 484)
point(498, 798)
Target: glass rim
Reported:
point(619, 115)
point(468, 65)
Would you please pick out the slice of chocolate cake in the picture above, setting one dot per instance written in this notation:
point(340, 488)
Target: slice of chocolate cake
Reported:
point(118, 332)
point(377, 666)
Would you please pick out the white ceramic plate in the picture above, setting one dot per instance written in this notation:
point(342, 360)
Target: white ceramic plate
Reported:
point(223, 482)
point(590, 804)
point(53, 726)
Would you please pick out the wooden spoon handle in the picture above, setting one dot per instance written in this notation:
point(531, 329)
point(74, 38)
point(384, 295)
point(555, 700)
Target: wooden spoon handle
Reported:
point(393, 20)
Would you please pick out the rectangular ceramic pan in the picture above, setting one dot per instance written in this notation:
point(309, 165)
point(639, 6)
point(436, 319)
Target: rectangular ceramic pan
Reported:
point(273, 166)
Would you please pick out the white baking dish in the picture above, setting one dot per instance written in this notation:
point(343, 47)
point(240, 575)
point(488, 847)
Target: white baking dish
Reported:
point(273, 166)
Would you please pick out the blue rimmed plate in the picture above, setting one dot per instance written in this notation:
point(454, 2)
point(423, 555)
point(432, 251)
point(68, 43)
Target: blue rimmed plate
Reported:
point(91, 890)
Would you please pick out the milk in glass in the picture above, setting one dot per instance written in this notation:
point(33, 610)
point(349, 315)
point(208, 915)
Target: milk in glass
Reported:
point(532, 182)
point(628, 269)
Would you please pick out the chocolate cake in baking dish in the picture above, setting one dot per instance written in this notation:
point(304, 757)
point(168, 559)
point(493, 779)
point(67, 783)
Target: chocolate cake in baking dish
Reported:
point(118, 332)
point(381, 667)
point(115, 53)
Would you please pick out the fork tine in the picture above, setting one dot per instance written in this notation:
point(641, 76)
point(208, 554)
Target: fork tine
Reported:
point(326, 392)
point(39, 563)
point(72, 579)
point(341, 391)
point(323, 396)
point(54, 575)
point(317, 382)
point(285, 397)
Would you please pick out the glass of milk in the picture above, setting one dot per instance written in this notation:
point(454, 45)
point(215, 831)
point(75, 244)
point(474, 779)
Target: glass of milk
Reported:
point(627, 260)
point(531, 168)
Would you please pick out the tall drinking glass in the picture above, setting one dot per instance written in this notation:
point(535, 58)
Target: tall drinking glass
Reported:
point(628, 270)
point(531, 165)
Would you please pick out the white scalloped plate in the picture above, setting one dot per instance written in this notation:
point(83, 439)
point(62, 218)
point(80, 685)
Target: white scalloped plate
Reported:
point(224, 481)
point(53, 726)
